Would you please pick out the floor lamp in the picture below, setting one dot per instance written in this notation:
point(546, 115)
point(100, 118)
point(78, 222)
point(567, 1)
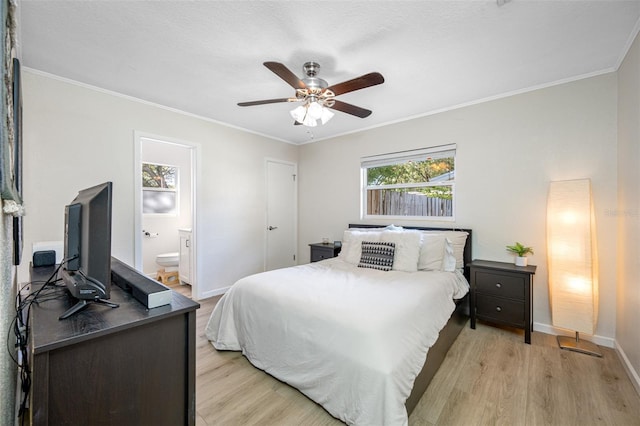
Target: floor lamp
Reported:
point(573, 262)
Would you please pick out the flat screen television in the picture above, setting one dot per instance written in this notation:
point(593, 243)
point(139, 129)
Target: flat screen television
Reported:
point(86, 269)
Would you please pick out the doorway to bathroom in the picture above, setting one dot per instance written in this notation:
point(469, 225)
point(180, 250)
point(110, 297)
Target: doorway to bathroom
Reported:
point(165, 219)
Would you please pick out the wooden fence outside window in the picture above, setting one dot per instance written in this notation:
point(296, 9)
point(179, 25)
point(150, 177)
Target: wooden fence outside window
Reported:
point(396, 203)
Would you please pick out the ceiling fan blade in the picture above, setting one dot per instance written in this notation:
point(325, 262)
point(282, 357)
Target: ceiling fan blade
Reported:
point(266, 101)
point(350, 109)
point(285, 73)
point(358, 83)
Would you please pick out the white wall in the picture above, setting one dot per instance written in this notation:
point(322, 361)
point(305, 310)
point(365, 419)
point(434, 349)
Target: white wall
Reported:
point(166, 225)
point(508, 151)
point(75, 137)
point(628, 211)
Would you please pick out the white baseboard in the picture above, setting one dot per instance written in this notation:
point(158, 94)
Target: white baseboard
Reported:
point(607, 342)
point(214, 292)
point(631, 372)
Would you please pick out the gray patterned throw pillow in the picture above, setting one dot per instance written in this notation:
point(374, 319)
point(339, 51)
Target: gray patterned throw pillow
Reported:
point(377, 255)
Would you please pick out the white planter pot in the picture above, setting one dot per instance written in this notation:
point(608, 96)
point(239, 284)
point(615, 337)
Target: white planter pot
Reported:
point(521, 261)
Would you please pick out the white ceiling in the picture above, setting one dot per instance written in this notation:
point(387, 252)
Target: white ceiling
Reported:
point(202, 57)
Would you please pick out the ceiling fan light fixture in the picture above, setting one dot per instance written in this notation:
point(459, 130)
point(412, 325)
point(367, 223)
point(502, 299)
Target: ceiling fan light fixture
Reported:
point(299, 113)
point(314, 110)
point(309, 122)
point(309, 114)
point(326, 115)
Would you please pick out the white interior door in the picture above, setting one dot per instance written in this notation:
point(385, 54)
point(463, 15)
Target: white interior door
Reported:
point(281, 223)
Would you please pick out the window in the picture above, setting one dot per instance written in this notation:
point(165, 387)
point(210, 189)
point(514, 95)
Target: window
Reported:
point(159, 189)
point(418, 183)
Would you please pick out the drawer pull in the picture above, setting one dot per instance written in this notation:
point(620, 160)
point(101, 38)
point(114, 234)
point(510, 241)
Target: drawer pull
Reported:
point(498, 309)
point(498, 285)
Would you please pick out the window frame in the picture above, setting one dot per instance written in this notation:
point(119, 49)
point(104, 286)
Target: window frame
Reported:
point(151, 189)
point(422, 154)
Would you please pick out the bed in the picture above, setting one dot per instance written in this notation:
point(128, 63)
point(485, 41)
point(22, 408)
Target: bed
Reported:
point(357, 335)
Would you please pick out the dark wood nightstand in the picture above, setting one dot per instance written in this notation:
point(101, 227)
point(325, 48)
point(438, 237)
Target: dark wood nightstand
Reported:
point(321, 251)
point(502, 293)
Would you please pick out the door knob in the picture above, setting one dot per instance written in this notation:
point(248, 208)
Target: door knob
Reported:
point(271, 228)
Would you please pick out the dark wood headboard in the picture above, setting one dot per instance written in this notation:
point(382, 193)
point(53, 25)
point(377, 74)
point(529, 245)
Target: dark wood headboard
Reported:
point(467, 257)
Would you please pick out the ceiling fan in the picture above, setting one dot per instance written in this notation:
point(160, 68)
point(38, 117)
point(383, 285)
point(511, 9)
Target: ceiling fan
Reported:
point(316, 95)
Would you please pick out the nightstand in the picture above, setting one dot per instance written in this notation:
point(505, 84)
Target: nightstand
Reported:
point(321, 251)
point(502, 293)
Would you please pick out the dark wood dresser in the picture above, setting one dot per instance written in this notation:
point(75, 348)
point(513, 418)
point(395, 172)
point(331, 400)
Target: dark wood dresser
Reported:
point(502, 293)
point(124, 366)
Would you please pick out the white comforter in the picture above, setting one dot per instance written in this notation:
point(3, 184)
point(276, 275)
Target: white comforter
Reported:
point(349, 338)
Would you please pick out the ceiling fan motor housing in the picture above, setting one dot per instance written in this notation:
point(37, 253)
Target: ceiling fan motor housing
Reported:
point(311, 69)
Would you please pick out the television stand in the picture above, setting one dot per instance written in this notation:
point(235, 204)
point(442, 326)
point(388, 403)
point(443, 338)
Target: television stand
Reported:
point(83, 303)
point(128, 366)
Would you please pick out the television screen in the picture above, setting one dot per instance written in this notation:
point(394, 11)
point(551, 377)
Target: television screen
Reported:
point(86, 270)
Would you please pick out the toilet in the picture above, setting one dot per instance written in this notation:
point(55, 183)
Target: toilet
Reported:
point(170, 261)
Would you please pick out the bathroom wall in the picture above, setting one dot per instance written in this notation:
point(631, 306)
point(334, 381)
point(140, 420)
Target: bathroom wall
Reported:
point(166, 225)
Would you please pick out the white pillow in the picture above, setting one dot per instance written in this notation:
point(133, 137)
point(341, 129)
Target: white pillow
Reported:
point(449, 260)
point(431, 252)
point(352, 244)
point(407, 244)
point(457, 239)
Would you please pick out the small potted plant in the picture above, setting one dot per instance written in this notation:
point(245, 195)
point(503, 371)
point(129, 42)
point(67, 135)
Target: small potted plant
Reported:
point(521, 253)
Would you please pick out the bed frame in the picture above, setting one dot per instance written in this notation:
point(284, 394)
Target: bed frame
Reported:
point(449, 333)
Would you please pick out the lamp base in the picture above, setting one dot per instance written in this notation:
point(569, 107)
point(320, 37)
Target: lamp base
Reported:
point(577, 345)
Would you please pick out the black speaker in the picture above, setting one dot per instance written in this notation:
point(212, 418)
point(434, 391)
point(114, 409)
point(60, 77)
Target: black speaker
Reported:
point(149, 292)
point(44, 258)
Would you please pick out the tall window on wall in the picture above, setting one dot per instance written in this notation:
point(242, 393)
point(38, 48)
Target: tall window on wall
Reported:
point(410, 184)
point(159, 193)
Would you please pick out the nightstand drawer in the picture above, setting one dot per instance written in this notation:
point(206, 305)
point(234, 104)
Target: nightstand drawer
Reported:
point(321, 253)
point(497, 284)
point(499, 309)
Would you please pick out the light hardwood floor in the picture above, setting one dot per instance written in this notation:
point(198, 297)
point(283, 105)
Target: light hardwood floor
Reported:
point(490, 377)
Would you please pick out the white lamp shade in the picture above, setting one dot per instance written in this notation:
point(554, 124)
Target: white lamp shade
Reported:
point(309, 122)
point(314, 110)
point(572, 256)
point(299, 113)
point(326, 115)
